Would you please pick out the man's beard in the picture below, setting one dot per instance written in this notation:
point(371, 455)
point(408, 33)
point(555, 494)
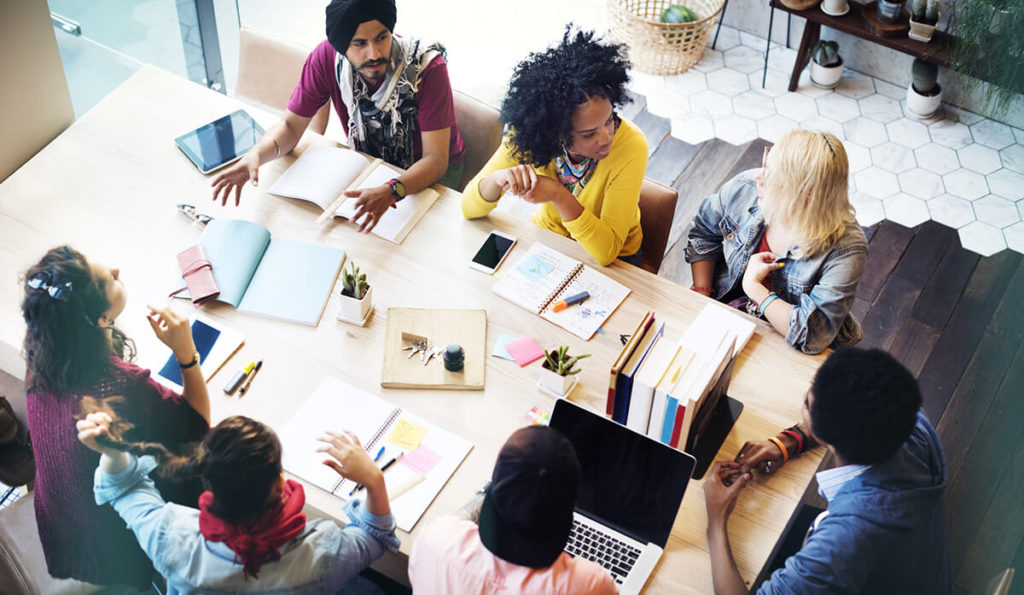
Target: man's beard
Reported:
point(369, 75)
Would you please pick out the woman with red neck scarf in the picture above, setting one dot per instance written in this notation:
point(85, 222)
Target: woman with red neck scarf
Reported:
point(249, 533)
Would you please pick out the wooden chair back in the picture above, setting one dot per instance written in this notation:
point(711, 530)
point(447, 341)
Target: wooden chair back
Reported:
point(481, 133)
point(657, 209)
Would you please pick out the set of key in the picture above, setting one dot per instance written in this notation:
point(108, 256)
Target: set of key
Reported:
point(423, 348)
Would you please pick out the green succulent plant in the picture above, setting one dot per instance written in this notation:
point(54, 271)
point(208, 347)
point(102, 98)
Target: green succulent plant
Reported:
point(826, 53)
point(925, 11)
point(353, 283)
point(560, 362)
point(925, 75)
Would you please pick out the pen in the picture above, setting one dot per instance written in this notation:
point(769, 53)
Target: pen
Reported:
point(238, 378)
point(394, 460)
point(248, 380)
point(379, 454)
point(571, 301)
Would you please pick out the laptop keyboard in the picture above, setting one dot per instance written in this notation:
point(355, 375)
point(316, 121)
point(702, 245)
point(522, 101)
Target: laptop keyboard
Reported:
point(589, 543)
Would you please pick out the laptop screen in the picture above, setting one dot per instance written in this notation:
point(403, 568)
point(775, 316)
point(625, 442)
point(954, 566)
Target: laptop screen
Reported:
point(630, 482)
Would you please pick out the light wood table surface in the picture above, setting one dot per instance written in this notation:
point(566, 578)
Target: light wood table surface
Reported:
point(109, 184)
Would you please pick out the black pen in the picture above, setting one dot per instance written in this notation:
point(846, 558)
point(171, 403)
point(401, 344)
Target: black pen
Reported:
point(248, 380)
point(360, 486)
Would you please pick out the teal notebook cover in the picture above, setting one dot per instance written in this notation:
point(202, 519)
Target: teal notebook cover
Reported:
point(234, 248)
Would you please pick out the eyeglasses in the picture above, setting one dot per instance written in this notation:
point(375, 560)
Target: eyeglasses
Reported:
point(57, 291)
point(191, 212)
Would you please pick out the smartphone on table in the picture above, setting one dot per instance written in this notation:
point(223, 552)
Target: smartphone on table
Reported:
point(493, 252)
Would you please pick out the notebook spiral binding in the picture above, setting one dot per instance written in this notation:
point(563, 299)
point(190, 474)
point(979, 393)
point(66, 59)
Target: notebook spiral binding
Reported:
point(561, 288)
point(371, 445)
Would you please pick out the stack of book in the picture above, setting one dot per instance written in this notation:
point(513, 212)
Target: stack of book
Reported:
point(669, 390)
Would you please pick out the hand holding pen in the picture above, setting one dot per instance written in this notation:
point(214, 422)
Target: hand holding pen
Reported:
point(351, 461)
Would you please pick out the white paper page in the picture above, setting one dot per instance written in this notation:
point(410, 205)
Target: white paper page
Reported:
point(584, 319)
point(714, 323)
point(319, 175)
point(396, 223)
point(535, 277)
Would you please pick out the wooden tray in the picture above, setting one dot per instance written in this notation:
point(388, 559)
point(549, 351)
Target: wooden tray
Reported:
point(468, 328)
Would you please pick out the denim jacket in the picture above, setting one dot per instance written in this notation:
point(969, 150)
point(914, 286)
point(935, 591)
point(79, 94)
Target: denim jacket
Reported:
point(320, 560)
point(728, 228)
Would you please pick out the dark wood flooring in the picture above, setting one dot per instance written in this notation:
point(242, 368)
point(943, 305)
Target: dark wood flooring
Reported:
point(955, 319)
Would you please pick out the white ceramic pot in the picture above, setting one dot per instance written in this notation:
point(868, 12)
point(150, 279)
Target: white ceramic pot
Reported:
point(353, 310)
point(826, 77)
point(556, 383)
point(835, 8)
point(920, 31)
point(923, 106)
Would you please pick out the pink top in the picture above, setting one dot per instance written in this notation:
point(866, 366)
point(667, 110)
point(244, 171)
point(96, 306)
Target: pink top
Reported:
point(448, 557)
point(318, 84)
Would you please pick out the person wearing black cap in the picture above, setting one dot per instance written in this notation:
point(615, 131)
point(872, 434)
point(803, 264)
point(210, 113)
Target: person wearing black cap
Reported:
point(393, 96)
point(524, 522)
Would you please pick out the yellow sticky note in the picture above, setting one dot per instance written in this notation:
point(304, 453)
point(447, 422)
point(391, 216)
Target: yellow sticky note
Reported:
point(407, 435)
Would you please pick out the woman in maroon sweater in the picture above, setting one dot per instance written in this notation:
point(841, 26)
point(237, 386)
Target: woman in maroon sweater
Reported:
point(73, 349)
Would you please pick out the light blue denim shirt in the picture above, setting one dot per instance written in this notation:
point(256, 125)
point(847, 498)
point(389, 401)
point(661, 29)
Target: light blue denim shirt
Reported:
point(728, 228)
point(320, 560)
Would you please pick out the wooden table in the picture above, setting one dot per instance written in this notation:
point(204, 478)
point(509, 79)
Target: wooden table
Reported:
point(109, 184)
point(936, 51)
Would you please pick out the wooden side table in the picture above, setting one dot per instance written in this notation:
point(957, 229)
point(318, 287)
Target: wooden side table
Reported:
point(936, 51)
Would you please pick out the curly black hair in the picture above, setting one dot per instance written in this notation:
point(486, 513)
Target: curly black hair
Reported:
point(546, 88)
point(865, 404)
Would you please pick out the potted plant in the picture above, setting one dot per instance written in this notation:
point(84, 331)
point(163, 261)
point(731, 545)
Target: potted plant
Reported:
point(557, 372)
point(890, 11)
point(826, 65)
point(356, 295)
point(924, 14)
point(835, 8)
point(987, 48)
point(924, 94)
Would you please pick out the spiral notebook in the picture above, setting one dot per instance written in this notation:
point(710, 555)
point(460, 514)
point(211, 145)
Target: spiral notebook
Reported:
point(544, 276)
point(429, 454)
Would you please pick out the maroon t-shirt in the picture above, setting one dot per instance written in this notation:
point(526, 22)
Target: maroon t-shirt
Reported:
point(318, 84)
point(80, 539)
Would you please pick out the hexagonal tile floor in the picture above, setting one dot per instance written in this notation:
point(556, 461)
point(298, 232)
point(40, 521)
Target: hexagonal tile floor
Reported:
point(957, 168)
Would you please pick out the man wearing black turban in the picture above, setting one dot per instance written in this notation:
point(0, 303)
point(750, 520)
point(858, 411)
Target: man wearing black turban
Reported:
point(393, 96)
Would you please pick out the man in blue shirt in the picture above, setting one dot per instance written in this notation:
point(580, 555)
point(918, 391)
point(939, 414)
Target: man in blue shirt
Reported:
point(884, 530)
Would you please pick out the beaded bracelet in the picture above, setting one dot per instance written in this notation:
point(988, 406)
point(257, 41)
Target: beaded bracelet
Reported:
point(764, 305)
point(782, 447)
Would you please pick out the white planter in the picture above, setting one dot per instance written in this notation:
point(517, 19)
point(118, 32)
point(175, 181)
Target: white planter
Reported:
point(353, 310)
point(560, 385)
point(923, 106)
point(826, 77)
point(835, 8)
point(920, 31)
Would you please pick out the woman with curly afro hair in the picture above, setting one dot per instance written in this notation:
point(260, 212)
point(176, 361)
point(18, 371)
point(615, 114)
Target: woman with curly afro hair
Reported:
point(567, 150)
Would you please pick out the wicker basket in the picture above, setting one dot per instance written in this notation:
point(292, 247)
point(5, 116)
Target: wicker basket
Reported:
point(663, 48)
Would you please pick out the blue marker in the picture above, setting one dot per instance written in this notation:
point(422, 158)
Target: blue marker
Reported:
point(380, 453)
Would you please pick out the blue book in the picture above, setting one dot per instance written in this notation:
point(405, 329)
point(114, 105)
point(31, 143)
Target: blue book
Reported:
point(272, 277)
point(624, 383)
point(671, 406)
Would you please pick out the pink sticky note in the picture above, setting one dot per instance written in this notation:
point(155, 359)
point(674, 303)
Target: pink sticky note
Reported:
point(421, 460)
point(524, 351)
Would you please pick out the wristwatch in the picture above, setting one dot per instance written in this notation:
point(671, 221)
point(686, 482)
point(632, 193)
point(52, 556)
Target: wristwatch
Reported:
point(195, 360)
point(397, 188)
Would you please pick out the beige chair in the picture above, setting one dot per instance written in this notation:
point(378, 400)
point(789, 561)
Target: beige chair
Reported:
point(268, 68)
point(657, 209)
point(481, 133)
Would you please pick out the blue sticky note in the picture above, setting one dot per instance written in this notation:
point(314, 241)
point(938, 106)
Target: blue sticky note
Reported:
point(499, 347)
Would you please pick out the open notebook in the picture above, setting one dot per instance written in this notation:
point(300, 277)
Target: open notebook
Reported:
point(320, 176)
point(429, 454)
point(277, 278)
point(544, 276)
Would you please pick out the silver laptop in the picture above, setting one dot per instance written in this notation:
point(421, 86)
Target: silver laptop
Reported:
point(630, 491)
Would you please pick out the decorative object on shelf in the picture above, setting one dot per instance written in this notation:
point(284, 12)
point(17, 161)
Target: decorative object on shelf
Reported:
point(799, 4)
point(924, 93)
point(871, 16)
point(826, 64)
point(356, 296)
point(988, 47)
point(453, 357)
point(890, 11)
point(558, 373)
point(657, 44)
point(924, 15)
point(835, 8)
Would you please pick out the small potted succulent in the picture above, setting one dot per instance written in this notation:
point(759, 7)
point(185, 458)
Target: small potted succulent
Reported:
point(356, 295)
point(924, 94)
point(924, 15)
point(835, 8)
point(826, 65)
point(557, 373)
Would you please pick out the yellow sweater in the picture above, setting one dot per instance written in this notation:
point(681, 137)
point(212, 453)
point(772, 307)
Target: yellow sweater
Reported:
point(609, 226)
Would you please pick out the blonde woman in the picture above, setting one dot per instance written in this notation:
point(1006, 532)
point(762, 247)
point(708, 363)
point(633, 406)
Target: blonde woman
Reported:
point(782, 242)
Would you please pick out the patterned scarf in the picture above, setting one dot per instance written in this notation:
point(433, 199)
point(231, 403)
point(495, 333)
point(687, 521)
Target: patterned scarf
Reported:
point(382, 123)
point(257, 543)
point(575, 177)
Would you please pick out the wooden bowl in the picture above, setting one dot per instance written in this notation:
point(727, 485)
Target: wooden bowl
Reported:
point(799, 4)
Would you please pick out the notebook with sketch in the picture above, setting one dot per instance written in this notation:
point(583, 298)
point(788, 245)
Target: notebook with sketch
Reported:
point(321, 175)
point(544, 276)
point(429, 454)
